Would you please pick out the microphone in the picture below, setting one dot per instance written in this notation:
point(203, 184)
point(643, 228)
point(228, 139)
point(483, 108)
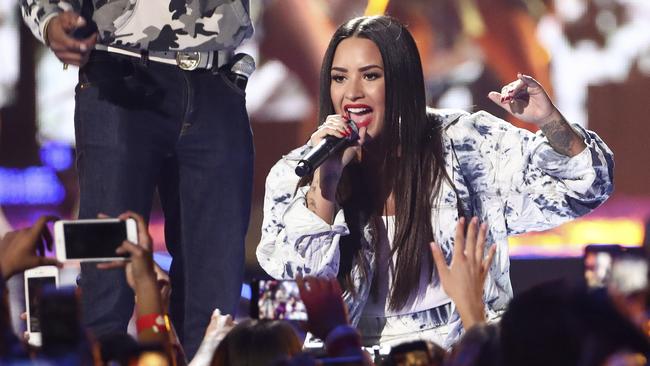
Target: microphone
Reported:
point(242, 68)
point(327, 147)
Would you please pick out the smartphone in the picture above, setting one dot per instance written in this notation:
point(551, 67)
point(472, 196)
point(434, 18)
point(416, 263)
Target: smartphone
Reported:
point(276, 299)
point(35, 280)
point(92, 240)
point(625, 268)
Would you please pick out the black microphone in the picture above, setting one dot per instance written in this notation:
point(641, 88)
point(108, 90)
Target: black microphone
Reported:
point(328, 146)
point(242, 68)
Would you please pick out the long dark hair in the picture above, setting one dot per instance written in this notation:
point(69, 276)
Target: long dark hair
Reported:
point(412, 153)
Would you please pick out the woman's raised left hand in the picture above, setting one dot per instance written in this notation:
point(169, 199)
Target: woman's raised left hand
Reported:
point(526, 99)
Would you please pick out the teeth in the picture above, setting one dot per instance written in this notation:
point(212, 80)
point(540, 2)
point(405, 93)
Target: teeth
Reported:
point(358, 110)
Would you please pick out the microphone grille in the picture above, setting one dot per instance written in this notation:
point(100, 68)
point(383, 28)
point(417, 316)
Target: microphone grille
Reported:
point(244, 65)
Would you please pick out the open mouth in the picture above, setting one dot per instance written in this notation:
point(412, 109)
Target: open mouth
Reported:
point(360, 114)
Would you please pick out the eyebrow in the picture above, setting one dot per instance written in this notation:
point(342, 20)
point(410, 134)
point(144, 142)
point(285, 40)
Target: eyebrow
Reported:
point(362, 69)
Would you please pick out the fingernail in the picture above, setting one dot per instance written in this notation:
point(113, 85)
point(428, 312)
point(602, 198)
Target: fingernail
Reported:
point(81, 21)
point(83, 47)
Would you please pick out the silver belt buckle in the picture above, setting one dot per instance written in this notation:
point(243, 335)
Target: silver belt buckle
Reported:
point(188, 60)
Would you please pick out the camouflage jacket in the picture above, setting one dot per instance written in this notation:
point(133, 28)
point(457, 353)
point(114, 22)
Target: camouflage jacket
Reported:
point(190, 25)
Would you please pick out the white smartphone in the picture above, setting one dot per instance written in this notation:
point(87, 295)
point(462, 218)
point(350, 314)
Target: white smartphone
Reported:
point(35, 280)
point(92, 240)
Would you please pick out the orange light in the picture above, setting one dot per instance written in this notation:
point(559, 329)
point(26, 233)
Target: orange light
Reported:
point(571, 238)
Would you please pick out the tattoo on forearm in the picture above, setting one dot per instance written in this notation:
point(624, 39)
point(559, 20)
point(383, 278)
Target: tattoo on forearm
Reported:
point(562, 137)
point(330, 180)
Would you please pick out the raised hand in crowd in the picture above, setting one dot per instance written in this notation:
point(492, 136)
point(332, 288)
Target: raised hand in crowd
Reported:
point(328, 318)
point(141, 276)
point(145, 278)
point(323, 300)
point(25, 248)
point(463, 279)
point(59, 37)
point(220, 325)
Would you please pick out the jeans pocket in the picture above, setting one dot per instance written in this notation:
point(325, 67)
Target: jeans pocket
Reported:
point(226, 78)
point(103, 75)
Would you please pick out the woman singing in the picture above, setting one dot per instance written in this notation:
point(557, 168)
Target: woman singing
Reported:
point(368, 214)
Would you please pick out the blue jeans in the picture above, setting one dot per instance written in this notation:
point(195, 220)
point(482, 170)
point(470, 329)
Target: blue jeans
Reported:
point(186, 133)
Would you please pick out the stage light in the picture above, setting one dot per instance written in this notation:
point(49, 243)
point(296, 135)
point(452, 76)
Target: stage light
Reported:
point(56, 155)
point(31, 186)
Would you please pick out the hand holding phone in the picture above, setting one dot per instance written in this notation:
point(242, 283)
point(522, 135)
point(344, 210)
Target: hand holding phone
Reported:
point(94, 240)
point(141, 266)
point(25, 248)
point(36, 280)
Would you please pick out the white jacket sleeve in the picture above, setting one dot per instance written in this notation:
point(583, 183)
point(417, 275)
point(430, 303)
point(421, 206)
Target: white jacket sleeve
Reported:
point(538, 187)
point(294, 239)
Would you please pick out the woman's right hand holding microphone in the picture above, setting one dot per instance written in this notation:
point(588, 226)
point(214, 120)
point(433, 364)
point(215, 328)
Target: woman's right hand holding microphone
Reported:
point(321, 198)
point(338, 126)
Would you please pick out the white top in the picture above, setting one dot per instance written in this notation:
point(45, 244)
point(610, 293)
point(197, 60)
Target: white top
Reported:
point(428, 295)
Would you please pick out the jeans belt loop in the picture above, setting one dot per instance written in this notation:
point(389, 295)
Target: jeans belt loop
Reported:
point(144, 58)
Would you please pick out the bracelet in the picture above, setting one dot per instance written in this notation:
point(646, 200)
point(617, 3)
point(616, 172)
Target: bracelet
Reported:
point(158, 323)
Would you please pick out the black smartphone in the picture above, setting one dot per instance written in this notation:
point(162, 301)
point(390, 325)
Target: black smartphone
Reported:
point(92, 240)
point(624, 268)
point(276, 299)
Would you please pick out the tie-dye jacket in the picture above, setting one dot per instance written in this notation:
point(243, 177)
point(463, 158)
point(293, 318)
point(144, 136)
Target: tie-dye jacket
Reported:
point(508, 177)
point(170, 25)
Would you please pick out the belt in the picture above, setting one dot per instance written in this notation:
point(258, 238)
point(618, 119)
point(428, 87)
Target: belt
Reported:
point(185, 60)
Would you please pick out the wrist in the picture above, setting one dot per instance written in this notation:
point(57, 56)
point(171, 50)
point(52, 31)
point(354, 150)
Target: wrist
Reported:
point(46, 28)
point(554, 116)
point(472, 313)
point(5, 267)
point(154, 322)
point(147, 281)
point(328, 182)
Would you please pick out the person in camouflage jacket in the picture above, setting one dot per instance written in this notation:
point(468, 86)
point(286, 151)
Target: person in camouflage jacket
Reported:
point(144, 121)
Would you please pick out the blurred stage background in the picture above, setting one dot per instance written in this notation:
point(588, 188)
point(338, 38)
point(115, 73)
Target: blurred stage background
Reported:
point(593, 56)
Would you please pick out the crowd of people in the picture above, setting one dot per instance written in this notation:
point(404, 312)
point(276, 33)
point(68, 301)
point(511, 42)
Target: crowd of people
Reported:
point(556, 323)
point(397, 240)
